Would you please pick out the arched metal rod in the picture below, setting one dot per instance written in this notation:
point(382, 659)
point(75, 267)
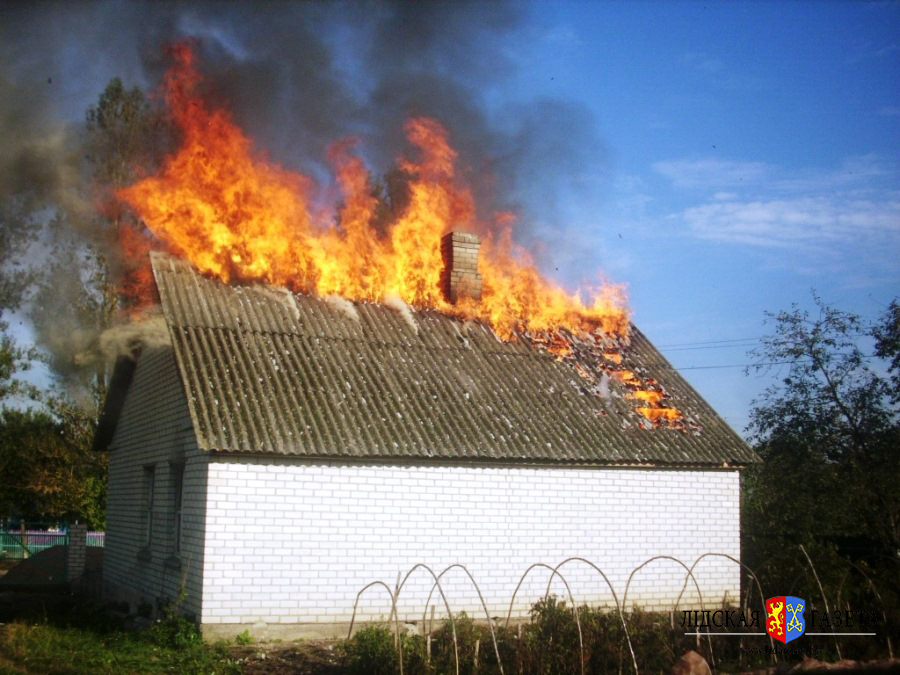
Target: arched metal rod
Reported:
point(874, 591)
point(487, 614)
point(571, 600)
point(446, 606)
point(359, 595)
point(615, 599)
point(689, 574)
point(393, 614)
point(762, 598)
point(837, 646)
point(841, 586)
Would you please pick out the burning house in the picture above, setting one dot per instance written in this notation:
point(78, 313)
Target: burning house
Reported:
point(337, 406)
point(287, 449)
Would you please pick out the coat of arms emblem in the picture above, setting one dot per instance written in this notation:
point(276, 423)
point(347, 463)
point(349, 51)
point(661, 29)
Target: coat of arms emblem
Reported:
point(784, 618)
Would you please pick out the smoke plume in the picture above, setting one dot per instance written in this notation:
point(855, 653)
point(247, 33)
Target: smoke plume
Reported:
point(297, 77)
point(148, 330)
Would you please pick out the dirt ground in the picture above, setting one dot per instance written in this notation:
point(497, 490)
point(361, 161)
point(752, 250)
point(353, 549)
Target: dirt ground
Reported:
point(306, 658)
point(321, 658)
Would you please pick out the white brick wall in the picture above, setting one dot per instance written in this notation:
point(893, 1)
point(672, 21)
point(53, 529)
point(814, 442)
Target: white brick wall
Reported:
point(154, 432)
point(290, 542)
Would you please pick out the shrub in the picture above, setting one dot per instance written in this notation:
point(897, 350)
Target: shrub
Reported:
point(173, 630)
point(468, 633)
point(370, 650)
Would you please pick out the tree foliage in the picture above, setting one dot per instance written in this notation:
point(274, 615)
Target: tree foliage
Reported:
point(887, 345)
point(48, 470)
point(69, 316)
point(90, 277)
point(17, 231)
point(47, 462)
point(127, 135)
point(829, 435)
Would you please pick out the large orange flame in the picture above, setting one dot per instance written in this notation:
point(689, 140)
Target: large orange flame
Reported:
point(238, 217)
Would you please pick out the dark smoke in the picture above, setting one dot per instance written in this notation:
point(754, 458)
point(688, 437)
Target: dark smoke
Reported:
point(298, 77)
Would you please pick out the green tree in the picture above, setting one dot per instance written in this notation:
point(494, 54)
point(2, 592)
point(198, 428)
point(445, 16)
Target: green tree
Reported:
point(17, 231)
point(887, 345)
point(127, 136)
point(47, 457)
point(48, 470)
point(829, 436)
point(92, 277)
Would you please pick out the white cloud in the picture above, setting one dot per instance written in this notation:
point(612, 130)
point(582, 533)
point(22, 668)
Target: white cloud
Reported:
point(711, 173)
point(810, 222)
point(761, 204)
point(852, 172)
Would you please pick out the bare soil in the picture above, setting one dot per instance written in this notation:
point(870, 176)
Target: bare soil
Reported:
point(316, 657)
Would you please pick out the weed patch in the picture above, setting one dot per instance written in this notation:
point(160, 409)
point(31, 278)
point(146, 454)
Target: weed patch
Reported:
point(77, 638)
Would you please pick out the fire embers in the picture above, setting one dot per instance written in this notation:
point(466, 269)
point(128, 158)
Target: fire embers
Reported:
point(650, 400)
point(598, 359)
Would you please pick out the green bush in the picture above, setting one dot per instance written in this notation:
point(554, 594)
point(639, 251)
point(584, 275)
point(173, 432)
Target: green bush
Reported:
point(468, 633)
point(550, 641)
point(370, 650)
point(172, 630)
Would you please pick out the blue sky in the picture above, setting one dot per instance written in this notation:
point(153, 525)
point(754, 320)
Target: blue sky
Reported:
point(753, 157)
point(722, 159)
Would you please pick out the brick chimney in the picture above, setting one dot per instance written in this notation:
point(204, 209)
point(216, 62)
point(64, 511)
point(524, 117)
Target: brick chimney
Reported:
point(460, 278)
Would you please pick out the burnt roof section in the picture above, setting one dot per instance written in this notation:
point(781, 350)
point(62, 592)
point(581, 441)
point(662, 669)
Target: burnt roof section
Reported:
point(270, 372)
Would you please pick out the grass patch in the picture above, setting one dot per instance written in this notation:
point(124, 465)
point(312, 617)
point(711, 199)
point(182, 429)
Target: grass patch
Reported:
point(45, 648)
point(244, 638)
point(82, 640)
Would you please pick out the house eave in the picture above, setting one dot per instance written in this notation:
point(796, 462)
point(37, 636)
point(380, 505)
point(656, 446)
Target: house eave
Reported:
point(523, 463)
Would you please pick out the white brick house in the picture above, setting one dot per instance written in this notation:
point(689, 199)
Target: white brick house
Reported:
point(284, 451)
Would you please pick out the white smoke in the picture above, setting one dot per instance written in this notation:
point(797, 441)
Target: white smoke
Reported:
point(146, 330)
point(280, 295)
point(396, 303)
point(342, 305)
point(603, 386)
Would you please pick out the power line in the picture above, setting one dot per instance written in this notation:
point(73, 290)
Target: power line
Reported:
point(725, 344)
point(689, 349)
point(710, 342)
point(733, 365)
point(754, 365)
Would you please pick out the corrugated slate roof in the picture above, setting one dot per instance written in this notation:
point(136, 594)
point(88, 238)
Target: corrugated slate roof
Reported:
point(267, 371)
